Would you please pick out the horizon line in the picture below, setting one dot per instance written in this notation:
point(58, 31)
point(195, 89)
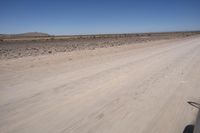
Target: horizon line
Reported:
point(100, 33)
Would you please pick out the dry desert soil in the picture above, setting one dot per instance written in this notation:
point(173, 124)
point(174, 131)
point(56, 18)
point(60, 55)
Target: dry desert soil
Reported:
point(140, 88)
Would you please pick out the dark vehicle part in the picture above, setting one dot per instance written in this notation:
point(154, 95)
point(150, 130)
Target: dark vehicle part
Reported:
point(189, 129)
point(194, 128)
point(194, 104)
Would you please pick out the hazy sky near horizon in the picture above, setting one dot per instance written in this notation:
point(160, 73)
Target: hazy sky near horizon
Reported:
point(98, 16)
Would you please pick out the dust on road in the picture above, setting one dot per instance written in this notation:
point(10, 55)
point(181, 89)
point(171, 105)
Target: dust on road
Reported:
point(109, 90)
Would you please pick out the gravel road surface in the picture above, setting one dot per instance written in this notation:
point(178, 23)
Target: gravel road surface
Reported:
point(125, 89)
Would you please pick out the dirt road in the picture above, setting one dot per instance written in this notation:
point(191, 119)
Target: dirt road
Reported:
point(124, 89)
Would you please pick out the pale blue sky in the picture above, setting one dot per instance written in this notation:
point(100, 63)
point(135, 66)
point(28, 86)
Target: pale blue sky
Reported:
point(98, 16)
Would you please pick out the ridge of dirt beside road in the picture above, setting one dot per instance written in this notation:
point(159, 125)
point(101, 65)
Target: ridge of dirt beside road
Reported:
point(18, 49)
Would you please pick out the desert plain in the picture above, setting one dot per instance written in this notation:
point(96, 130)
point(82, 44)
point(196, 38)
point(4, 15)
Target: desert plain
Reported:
point(114, 84)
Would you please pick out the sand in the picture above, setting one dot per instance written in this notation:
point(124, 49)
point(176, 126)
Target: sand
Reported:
point(141, 88)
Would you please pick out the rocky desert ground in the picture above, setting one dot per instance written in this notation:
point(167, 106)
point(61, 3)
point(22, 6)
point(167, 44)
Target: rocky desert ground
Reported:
point(100, 85)
point(32, 45)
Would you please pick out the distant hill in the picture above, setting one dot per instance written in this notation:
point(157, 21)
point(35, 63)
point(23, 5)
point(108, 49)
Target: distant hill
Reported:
point(28, 34)
point(33, 34)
